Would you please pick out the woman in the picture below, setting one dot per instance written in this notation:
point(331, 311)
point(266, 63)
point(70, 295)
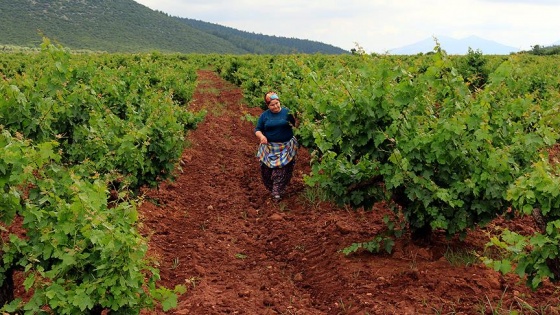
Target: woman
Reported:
point(278, 146)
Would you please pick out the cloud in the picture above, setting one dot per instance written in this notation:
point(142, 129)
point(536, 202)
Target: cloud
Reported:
point(380, 25)
point(527, 2)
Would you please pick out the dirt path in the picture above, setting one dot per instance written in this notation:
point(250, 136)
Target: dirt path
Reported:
point(215, 231)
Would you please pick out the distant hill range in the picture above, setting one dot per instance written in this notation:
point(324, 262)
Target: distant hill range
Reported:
point(127, 26)
point(454, 46)
point(263, 44)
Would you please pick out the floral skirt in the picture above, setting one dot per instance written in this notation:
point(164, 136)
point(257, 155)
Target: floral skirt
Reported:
point(277, 179)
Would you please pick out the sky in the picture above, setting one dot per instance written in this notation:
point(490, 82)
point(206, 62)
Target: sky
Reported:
point(377, 26)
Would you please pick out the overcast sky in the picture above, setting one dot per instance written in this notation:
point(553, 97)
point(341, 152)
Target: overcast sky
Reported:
point(380, 25)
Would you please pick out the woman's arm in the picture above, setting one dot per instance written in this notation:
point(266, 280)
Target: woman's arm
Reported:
point(261, 137)
point(294, 122)
point(259, 128)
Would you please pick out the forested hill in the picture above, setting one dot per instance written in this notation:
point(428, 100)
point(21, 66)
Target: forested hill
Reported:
point(127, 26)
point(102, 25)
point(263, 44)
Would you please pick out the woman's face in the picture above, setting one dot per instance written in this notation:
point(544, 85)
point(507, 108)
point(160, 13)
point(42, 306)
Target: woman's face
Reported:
point(274, 106)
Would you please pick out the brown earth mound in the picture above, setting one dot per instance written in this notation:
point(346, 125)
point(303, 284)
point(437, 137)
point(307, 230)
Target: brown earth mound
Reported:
point(215, 231)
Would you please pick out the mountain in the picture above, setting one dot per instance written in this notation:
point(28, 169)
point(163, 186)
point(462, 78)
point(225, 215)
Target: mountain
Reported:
point(124, 26)
point(263, 44)
point(102, 25)
point(455, 46)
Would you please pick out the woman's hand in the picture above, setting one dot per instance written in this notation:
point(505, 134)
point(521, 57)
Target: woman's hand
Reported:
point(261, 137)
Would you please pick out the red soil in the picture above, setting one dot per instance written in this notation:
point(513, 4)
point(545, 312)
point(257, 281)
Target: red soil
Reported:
point(215, 231)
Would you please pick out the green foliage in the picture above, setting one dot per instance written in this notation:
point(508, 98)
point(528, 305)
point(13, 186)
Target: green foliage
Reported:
point(376, 245)
point(78, 253)
point(473, 68)
point(534, 258)
point(382, 242)
point(250, 118)
point(18, 161)
point(122, 115)
point(540, 50)
point(72, 129)
point(539, 188)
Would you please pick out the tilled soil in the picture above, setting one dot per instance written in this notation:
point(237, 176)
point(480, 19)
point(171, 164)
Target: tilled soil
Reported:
point(215, 230)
